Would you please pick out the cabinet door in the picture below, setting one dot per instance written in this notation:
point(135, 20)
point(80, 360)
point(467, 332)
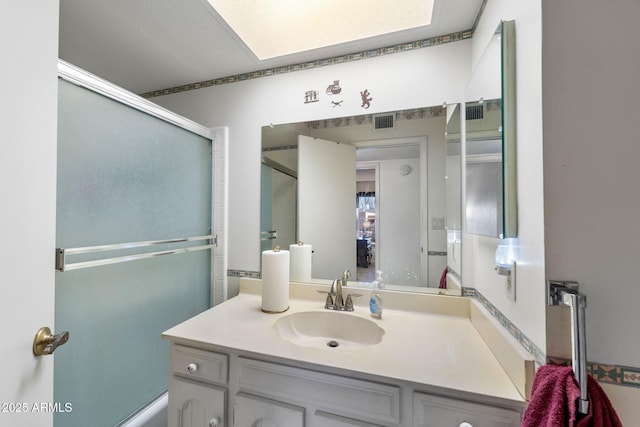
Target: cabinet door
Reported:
point(193, 404)
point(436, 411)
point(254, 411)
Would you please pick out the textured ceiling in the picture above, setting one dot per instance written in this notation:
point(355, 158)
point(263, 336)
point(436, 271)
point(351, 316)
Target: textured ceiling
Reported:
point(147, 45)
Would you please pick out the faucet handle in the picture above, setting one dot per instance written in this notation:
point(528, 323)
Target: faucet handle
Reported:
point(328, 304)
point(348, 304)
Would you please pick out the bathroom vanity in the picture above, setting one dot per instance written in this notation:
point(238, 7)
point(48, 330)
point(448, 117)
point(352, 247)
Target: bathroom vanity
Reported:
point(234, 365)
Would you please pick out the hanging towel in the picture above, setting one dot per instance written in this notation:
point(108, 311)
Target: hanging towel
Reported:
point(554, 398)
point(601, 412)
point(443, 279)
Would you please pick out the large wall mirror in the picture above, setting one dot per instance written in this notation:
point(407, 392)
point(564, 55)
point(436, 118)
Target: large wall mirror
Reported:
point(367, 192)
point(490, 149)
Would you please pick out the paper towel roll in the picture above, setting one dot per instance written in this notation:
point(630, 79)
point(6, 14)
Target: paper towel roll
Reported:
point(300, 270)
point(275, 281)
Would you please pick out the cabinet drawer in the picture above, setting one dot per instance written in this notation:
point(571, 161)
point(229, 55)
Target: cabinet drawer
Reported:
point(199, 364)
point(437, 411)
point(348, 397)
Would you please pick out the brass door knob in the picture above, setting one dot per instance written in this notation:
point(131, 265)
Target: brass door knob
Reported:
point(46, 343)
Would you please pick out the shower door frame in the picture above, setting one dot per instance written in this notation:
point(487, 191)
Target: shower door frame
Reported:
point(219, 142)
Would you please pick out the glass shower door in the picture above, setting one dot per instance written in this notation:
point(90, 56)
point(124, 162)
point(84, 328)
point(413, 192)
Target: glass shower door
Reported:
point(125, 176)
point(278, 208)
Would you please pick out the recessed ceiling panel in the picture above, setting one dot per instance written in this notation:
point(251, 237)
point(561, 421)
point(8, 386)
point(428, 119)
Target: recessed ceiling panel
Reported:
point(274, 28)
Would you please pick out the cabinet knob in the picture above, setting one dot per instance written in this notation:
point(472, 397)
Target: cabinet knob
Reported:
point(214, 422)
point(465, 424)
point(192, 368)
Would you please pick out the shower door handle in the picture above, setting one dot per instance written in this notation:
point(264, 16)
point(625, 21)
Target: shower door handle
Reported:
point(45, 342)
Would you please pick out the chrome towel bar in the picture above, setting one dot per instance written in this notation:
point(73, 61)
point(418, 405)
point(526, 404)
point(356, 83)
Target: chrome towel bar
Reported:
point(566, 293)
point(61, 254)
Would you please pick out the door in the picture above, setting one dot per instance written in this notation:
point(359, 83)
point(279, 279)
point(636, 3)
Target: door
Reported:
point(130, 187)
point(196, 405)
point(278, 207)
point(326, 204)
point(27, 218)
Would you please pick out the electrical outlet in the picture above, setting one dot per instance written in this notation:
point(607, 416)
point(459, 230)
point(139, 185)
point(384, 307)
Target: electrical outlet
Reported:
point(510, 285)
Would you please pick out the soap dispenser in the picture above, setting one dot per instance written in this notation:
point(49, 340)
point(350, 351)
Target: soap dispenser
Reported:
point(375, 301)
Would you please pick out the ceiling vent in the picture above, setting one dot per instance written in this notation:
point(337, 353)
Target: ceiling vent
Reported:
point(384, 121)
point(475, 112)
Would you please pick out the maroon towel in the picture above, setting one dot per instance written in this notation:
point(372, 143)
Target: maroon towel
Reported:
point(554, 398)
point(443, 279)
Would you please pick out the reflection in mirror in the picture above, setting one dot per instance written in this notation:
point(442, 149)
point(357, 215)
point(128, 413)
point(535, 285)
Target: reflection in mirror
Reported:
point(397, 208)
point(483, 157)
point(454, 191)
point(490, 208)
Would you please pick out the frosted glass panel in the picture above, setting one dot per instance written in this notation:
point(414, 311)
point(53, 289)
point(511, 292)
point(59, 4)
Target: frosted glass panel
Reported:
point(124, 176)
point(266, 218)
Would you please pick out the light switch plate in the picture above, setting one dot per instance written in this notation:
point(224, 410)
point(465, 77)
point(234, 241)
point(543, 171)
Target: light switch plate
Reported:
point(510, 285)
point(437, 223)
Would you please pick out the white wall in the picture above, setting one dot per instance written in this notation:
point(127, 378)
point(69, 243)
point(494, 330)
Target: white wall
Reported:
point(528, 311)
point(591, 94)
point(418, 78)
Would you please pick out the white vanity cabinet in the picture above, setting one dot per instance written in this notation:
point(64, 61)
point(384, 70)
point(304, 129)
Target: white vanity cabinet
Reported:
point(209, 388)
point(328, 399)
point(438, 411)
point(197, 388)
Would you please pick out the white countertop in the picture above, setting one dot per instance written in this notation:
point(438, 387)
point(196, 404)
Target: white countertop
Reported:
point(438, 350)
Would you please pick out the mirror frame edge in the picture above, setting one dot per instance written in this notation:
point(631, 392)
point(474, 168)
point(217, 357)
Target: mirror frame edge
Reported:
point(509, 171)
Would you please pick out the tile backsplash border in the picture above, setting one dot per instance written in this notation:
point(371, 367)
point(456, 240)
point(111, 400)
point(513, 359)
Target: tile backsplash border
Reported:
point(244, 273)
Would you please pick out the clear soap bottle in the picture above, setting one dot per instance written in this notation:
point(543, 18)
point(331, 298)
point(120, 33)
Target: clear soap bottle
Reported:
point(375, 301)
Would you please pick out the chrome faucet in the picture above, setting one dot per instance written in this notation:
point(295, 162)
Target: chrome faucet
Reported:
point(336, 293)
point(346, 275)
point(335, 298)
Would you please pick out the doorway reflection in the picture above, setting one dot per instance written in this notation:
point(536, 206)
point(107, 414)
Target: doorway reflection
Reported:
point(366, 186)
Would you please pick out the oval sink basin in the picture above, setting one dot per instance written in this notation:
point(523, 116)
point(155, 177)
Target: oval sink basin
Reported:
point(328, 329)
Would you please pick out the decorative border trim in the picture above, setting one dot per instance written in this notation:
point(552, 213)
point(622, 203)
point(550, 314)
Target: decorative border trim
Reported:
point(480, 12)
point(524, 341)
point(244, 273)
point(364, 119)
point(280, 148)
point(436, 253)
point(604, 373)
point(608, 374)
point(374, 53)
